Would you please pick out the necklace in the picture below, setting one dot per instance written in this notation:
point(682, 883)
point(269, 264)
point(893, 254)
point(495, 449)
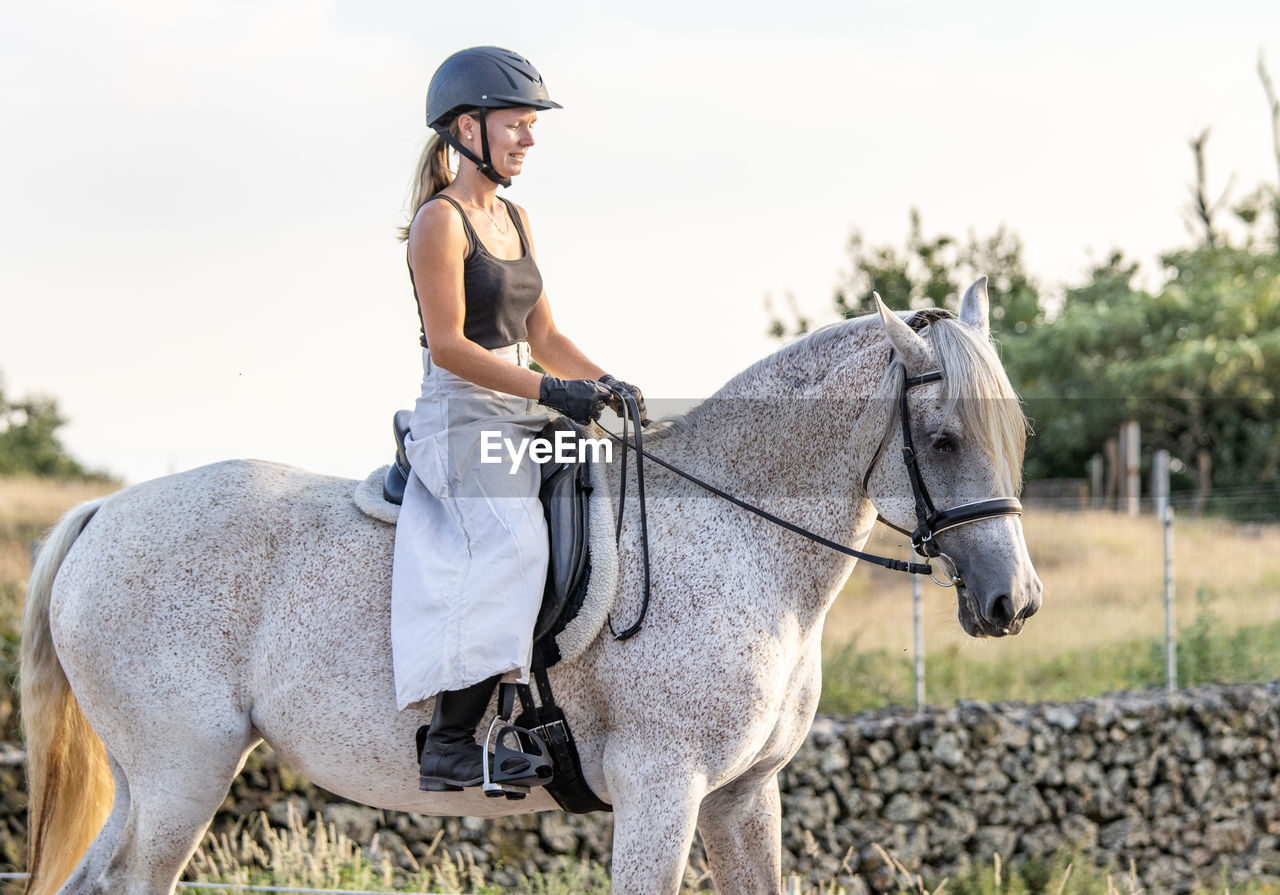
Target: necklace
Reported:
point(501, 229)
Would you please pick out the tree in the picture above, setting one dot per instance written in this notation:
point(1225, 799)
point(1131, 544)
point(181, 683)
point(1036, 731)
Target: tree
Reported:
point(930, 272)
point(1059, 369)
point(29, 443)
point(1203, 208)
point(1196, 363)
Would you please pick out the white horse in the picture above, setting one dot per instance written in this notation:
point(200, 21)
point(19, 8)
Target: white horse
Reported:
point(171, 627)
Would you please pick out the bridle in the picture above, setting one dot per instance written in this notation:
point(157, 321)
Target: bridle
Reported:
point(930, 521)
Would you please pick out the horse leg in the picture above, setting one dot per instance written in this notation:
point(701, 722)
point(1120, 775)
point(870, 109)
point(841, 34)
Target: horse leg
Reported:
point(741, 827)
point(173, 794)
point(104, 844)
point(655, 812)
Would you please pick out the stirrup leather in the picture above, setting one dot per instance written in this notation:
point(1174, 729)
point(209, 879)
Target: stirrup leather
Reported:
point(512, 772)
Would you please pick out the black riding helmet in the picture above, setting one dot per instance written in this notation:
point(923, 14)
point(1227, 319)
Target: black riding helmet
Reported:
point(476, 80)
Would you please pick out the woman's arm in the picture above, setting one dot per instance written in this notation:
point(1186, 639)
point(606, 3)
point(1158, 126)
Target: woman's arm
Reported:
point(552, 349)
point(437, 252)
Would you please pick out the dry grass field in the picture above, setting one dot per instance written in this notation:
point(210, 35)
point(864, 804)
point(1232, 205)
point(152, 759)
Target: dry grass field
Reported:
point(1103, 583)
point(29, 506)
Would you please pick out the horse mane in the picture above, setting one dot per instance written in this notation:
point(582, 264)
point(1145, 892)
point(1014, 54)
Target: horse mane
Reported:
point(977, 392)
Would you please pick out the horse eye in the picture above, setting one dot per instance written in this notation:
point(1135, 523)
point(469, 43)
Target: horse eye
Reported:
point(944, 444)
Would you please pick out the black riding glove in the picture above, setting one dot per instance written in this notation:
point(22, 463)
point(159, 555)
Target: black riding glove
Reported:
point(616, 402)
point(581, 400)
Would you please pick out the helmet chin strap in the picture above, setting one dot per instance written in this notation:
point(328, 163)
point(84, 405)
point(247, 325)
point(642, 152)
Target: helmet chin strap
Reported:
point(485, 165)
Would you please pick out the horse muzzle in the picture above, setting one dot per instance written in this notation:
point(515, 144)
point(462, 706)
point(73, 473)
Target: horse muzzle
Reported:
point(992, 602)
point(997, 613)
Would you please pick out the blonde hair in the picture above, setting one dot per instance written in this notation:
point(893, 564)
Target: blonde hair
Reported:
point(434, 174)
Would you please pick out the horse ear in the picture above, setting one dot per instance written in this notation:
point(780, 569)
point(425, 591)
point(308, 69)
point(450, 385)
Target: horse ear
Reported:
point(975, 309)
point(906, 341)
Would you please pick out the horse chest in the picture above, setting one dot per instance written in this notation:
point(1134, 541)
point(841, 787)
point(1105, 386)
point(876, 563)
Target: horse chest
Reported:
point(747, 701)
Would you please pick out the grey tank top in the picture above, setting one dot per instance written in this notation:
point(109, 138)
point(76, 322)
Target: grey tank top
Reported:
point(499, 294)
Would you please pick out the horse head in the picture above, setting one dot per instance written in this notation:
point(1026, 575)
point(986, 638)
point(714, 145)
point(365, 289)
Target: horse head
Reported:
point(967, 433)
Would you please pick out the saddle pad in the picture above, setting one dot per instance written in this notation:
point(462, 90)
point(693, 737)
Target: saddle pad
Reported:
point(601, 585)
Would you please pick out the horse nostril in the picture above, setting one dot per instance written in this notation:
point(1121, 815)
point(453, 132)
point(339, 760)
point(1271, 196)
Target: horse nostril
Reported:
point(1001, 613)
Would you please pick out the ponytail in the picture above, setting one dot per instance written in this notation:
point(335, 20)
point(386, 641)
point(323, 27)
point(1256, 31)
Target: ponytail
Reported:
point(434, 174)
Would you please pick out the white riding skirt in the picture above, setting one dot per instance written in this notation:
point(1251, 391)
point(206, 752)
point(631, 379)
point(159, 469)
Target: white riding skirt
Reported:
point(471, 541)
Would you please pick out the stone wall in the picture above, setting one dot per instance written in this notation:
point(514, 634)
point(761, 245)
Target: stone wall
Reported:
point(1184, 786)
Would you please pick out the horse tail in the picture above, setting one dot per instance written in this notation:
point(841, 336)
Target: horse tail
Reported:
point(69, 785)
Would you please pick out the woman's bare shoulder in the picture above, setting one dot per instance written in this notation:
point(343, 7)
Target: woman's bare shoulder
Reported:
point(436, 224)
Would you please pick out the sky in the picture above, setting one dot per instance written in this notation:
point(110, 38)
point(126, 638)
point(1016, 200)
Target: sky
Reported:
point(198, 256)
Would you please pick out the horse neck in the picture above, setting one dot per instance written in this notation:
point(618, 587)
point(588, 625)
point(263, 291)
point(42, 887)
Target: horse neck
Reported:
point(785, 427)
point(784, 437)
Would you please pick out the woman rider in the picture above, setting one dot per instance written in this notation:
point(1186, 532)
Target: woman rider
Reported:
point(471, 542)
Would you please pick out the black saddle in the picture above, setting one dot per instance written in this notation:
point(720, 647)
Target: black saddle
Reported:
point(565, 491)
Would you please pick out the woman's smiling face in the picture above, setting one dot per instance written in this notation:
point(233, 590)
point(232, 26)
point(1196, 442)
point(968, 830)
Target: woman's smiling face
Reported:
point(510, 136)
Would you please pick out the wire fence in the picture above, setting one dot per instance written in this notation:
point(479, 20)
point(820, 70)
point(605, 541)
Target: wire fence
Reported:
point(1112, 593)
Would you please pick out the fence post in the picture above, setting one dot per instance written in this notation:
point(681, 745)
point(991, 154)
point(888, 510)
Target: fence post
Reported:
point(1096, 481)
point(1164, 512)
point(1132, 450)
point(1111, 448)
point(917, 620)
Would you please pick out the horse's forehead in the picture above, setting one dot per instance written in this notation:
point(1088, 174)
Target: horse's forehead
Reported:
point(929, 408)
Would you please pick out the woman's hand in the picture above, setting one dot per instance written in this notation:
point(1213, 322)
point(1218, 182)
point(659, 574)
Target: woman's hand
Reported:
point(616, 402)
point(582, 400)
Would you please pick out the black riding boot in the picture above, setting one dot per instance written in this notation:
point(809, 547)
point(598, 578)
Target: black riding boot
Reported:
point(451, 757)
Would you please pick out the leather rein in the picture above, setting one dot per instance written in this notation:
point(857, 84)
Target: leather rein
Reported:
point(929, 520)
